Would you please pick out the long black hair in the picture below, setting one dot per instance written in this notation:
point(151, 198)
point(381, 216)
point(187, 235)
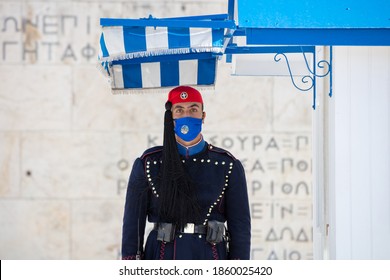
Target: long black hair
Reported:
point(178, 201)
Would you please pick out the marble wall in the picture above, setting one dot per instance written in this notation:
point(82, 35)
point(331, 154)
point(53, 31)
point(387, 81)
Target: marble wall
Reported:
point(67, 145)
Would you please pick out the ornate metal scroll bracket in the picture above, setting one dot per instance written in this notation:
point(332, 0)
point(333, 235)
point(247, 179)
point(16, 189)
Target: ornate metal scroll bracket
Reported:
point(309, 81)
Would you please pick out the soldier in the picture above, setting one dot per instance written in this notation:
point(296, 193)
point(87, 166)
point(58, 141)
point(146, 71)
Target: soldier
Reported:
point(194, 193)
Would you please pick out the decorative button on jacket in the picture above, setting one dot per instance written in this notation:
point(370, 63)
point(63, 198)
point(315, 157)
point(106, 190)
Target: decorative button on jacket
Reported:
point(221, 192)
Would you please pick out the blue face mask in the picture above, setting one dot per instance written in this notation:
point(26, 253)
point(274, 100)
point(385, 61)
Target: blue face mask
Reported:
point(188, 128)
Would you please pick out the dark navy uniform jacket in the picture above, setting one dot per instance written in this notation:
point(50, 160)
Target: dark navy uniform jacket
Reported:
point(221, 192)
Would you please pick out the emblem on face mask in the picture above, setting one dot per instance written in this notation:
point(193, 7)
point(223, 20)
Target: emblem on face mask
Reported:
point(184, 129)
point(188, 128)
point(183, 95)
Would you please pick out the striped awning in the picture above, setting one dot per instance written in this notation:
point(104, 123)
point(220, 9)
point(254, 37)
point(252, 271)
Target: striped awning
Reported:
point(156, 53)
point(167, 71)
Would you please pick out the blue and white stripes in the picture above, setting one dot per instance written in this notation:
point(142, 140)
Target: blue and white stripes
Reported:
point(167, 73)
point(137, 57)
point(119, 42)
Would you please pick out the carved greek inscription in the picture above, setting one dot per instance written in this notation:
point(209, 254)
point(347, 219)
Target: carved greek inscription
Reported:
point(47, 38)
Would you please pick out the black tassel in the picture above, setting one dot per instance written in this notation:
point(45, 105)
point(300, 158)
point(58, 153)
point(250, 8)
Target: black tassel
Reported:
point(178, 202)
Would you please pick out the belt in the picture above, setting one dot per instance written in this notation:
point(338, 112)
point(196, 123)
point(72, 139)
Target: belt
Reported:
point(189, 228)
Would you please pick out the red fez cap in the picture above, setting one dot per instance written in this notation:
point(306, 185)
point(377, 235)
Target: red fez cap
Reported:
point(184, 94)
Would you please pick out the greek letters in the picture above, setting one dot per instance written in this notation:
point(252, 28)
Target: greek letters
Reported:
point(46, 51)
point(46, 38)
point(47, 24)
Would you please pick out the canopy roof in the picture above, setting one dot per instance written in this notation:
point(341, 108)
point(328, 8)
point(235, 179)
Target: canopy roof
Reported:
point(152, 53)
point(305, 22)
